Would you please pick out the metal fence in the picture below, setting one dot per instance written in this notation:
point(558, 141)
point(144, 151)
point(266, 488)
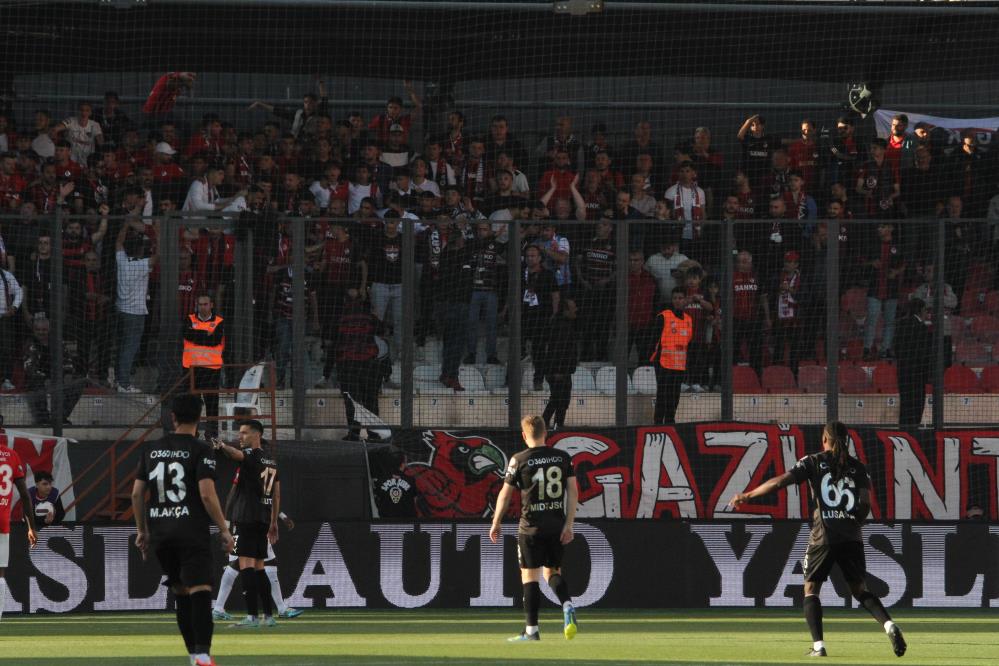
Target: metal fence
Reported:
point(822, 347)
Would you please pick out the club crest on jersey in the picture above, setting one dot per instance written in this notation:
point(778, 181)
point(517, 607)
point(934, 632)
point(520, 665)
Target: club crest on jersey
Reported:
point(395, 488)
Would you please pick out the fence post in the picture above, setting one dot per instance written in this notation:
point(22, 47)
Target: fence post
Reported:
point(298, 388)
point(57, 329)
point(168, 345)
point(938, 326)
point(514, 296)
point(621, 326)
point(728, 335)
point(832, 320)
point(408, 322)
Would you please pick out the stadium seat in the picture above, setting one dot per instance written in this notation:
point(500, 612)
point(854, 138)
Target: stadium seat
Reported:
point(471, 379)
point(961, 379)
point(778, 379)
point(607, 381)
point(885, 378)
point(812, 378)
point(854, 303)
point(985, 327)
point(582, 381)
point(990, 379)
point(495, 379)
point(744, 380)
point(853, 379)
point(971, 353)
point(645, 379)
point(426, 379)
point(853, 350)
point(527, 381)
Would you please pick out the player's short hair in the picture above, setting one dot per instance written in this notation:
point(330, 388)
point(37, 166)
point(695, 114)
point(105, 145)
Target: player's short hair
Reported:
point(42, 475)
point(253, 424)
point(186, 408)
point(534, 426)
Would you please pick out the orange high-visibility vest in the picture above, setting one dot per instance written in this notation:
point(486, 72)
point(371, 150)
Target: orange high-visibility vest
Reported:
point(199, 356)
point(673, 341)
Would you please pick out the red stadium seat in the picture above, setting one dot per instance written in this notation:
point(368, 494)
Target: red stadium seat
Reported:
point(990, 379)
point(975, 287)
point(961, 379)
point(971, 353)
point(812, 378)
point(992, 302)
point(853, 379)
point(885, 378)
point(985, 328)
point(853, 350)
point(744, 380)
point(854, 303)
point(779, 379)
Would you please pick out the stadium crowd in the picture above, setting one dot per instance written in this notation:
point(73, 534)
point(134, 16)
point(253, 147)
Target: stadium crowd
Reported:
point(356, 178)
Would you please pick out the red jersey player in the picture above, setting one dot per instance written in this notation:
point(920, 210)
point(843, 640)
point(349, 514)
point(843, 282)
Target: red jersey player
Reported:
point(11, 476)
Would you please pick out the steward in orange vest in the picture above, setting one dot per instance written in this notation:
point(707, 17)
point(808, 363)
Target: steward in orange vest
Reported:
point(204, 345)
point(670, 356)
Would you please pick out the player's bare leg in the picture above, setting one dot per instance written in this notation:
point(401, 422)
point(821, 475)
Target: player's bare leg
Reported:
point(813, 616)
point(531, 579)
point(561, 590)
point(877, 610)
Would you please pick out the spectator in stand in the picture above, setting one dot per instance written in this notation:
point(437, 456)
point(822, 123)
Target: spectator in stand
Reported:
point(82, 132)
point(473, 176)
point(900, 149)
point(558, 360)
point(358, 368)
point(439, 170)
point(384, 261)
point(452, 143)
point(66, 169)
point(112, 120)
point(559, 178)
point(743, 190)
point(750, 311)
point(502, 195)
point(923, 188)
point(799, 204)
point(165, 92)
point(12, 185)
point(687, 203)
point(642, 143)
point(779, 236)
point(208, 142)
point(787, 325)
point(38, 374)
point(539, 304)
point(421, 182)
point(641, 307)
point(596, 290)
point(304, 120)
point(664, 263)
point(500, 139)
point(43, 143)
point(812, 297)
point(611, 178)
point(45, 500)
point(758, 148)
point(779, 176)
point(487, 260)
point(132, 288)
point(131, 151)
point(915, 354)
point(281, 310)
point(699, 309)
point(555, 254)
point(38, 285)
point(708, 163)
point(10, 304)
point(451, 298)
point(925, 293)
point(329, 187)
point(393, 115)
point(430, 245)
point(803, 154)
point(961, 245)
point(974, 172)
point(887, 265)
point(675, 328)
point(8, 138)
point(840, 153)
point(641, 199)
point(598, 142)
point(204, 346)
point(361, 188)
point(203, 194)
point(166, 172)
point(594, 199)
point(713, 335)
point(878, 183)
point(563, 139)
point(396, 152)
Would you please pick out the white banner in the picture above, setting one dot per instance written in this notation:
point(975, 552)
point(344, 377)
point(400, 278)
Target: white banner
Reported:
point(41, 453)
point(951, 128)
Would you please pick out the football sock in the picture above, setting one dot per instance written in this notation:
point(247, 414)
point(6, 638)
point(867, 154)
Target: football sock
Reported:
point(248, 577)
point(264, 589)
point(3, 595)
point(532, 600)
point(229, 576)
point(888, 625)
point(813, 616)
point(531, 630)
point(560, 588)
point(184, 622)
point(874, 607)
point(272, 576)
point(201, 620)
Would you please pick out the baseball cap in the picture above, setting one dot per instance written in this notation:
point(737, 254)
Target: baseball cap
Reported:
point(792, 255)
point(165, 148)
point(396, 127)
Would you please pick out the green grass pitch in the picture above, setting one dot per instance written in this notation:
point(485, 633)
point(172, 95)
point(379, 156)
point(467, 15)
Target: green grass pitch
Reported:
point(397, 638)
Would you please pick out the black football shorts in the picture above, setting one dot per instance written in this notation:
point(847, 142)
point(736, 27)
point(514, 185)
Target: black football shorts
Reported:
point(539, 550)
point(820, 558)
point(186, 562)
point(251, 540)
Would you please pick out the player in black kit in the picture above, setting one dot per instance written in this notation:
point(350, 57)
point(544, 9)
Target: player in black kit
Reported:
point(255, 508)
point(548, 498)
point(841, 490)
point(176, 521)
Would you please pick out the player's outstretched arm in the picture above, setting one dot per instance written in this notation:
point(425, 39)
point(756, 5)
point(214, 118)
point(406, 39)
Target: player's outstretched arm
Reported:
point(572, 500)
point(29, 515)
point(206, 487)
point(765, 488)
point(502, 504)
point(230, 452)
point(139, 512)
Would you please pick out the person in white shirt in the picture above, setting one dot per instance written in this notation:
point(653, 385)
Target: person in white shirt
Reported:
point(419, 180)
point(203, 195)
point(687, 200)
point(11, 297)
point(83, 133)
point(132, 289)
point(662, 264)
